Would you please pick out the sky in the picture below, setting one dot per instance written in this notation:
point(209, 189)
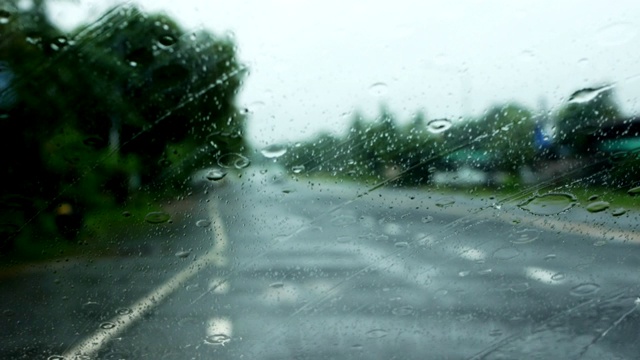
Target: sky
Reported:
point(314, 63)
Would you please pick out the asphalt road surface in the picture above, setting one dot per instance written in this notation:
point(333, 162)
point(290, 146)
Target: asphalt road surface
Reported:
point(304, 270)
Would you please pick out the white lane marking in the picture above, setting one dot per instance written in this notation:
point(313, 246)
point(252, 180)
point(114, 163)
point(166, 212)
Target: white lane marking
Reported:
point(215, 256)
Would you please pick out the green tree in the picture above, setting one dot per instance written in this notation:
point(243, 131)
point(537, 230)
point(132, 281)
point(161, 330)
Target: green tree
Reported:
point(575, 122)
point(130, 97)
point(508, 140)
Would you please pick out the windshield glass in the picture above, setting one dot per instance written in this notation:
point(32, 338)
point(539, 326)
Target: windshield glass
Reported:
point(319, 180)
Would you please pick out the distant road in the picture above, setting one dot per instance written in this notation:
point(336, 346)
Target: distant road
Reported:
point(295, 270)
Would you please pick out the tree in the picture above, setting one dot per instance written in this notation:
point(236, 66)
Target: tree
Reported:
point(576, 121)
point(509, 142)
point(130, 97)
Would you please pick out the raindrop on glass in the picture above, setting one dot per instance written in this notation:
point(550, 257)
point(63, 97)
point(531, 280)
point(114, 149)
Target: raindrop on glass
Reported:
point(167, 41)
point(427, 219)
point(597, 206)
point(549, 204)
point(445, 202)
point(402, 310)
point(376, 333)
point(56, 357)
point(234, 160)
point(585, 289)
point(378, 89)
point(124, 311)
point(157, 217)
point(216, 174)
point(588, 94)
point(273, 151)
point(438, 125)
point(506, 253)
point(107, 325)
point(524, 236)
point(401, 244)
point(634, 191)
point(297, 169)
point(277, 285)
point(619, 212)
point(203, 223)
point(557, 276)
point(183, 254)
point(217, 339)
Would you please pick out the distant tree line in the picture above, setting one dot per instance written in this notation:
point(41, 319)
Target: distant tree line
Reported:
point(505, 138)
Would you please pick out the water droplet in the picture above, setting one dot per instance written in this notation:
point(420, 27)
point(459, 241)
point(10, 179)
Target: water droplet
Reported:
point(520, 287)
point(506, 253)
point(401, 244)
point(585, 289)
point(126, 214)
point(297, 169)
point(216, 174)
point(402, 310)
point(634, 190)
point(8, 312)
point(588, 94)
point(619, 212)
point(203, 223)
point(277, 285)
point(445, 202)
point(56, 357)
point(167, 41)
point(133, 63)
point(549, 204)
point(343, 220)
point(550, 257)
point(438, 125)
point(558, 276)
point(378, 89)
point(5, 17)
point(427, 219)
point(464, 273)
point(524, 236)
point(157, 217)
point(234, 160)
point(597, 206)
point(107, 325)
point(592, 197)
point(273, 151)
point(124, 311)
point(183, 254)
point(217, 339)
point(376, 333)
point(495, 333)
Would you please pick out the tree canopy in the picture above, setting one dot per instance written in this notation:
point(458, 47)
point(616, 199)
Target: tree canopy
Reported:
point(88, 117)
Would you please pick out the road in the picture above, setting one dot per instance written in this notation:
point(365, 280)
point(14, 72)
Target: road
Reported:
point(311, 270)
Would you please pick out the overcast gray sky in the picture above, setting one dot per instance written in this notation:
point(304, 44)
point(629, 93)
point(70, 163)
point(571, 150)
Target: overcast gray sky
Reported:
point(314, 62)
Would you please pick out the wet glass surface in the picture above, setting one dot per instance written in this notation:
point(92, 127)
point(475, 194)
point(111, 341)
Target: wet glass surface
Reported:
point(313, 180)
